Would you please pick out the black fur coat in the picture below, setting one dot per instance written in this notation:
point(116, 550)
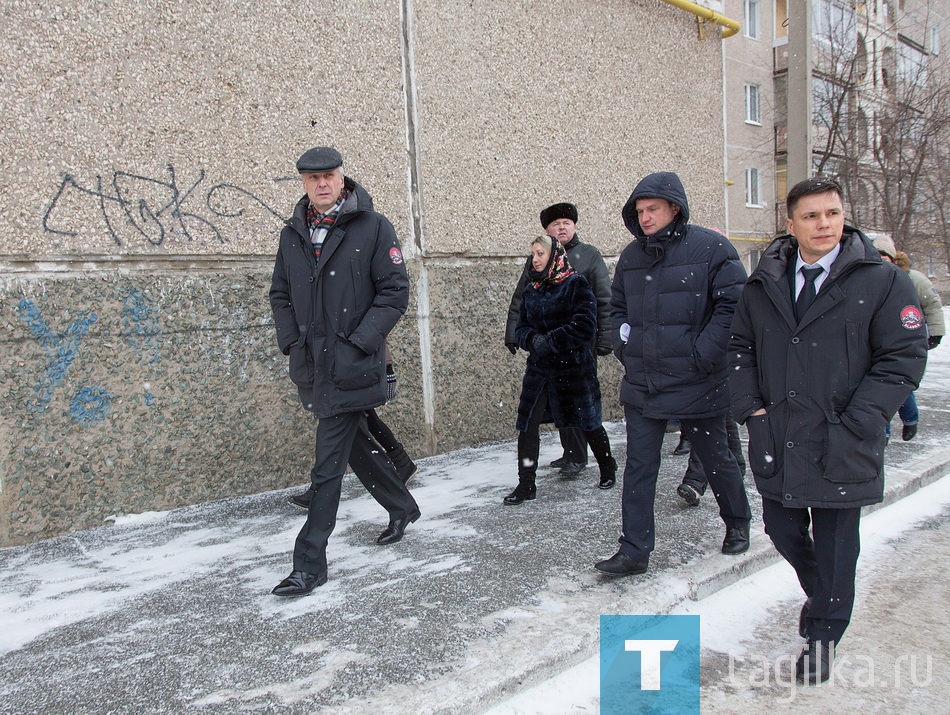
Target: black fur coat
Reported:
point(561, 362)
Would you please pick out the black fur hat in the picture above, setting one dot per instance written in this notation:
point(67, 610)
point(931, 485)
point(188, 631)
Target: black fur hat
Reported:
point(556, 211)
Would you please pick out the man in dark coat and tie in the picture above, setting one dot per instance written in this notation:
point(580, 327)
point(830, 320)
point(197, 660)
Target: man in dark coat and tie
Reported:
point(827, 342)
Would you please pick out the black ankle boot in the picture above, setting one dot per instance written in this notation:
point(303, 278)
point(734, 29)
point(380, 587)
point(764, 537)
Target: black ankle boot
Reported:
point(608, 474)
point(525, 491)
point(405, 467)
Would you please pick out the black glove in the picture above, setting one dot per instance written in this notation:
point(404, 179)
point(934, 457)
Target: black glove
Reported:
point(603, 350)
point(512, 347)
point(933, 341)
point(539, 346)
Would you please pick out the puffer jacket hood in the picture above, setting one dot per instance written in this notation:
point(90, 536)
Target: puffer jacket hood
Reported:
point(661, 185)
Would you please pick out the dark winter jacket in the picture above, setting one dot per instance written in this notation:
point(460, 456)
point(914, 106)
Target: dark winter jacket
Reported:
point(563, 364)
point(586, 260)
point(677, 290)
point(830, 383)
point(332, 318)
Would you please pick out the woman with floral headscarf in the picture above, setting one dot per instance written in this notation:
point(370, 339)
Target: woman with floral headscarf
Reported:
point(556, 327)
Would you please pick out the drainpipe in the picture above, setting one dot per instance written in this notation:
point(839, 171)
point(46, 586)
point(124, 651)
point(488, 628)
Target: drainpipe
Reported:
point(704, 16)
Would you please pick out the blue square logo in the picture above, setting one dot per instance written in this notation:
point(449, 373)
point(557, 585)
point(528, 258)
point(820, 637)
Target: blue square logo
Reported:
point(649, 664)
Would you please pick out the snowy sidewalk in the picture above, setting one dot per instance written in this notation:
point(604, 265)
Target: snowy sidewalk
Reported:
point(172, 612)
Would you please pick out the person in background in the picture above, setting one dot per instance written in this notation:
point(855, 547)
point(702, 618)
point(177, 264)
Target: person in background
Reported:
point(694, 483)
point(929, 299)
point(560, 222)
point(557, 323)
point(827, 342)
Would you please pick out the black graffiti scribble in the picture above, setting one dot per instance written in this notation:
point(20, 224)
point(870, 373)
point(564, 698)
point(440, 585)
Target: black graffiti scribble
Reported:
point(154, 207)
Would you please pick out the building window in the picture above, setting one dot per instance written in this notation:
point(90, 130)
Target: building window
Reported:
point(752, 115)
point(834, 24)
point(911, 65)
point(935, 40)
point(752, 187)
point(752, 19)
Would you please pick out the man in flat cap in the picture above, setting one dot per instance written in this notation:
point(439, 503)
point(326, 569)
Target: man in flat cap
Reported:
point(560, 221)
point(339, 287)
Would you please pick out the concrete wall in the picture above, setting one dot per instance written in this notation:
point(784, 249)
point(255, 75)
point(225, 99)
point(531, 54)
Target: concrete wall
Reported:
point(147, 151)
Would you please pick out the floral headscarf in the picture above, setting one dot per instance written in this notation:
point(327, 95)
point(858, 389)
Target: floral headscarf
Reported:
point(557, 269)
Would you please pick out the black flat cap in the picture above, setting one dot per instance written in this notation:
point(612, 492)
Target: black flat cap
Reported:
point(556, 211)
point(320, 158)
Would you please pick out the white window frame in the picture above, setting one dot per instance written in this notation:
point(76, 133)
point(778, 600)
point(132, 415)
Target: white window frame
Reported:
point(751, 19)
point(753, 104)
point(753, 188)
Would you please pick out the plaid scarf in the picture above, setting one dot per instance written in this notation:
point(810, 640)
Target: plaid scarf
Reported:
point(320, 224)
point(556, 271)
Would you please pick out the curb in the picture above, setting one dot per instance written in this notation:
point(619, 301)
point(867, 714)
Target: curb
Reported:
point(704, 578)
point(900, 482)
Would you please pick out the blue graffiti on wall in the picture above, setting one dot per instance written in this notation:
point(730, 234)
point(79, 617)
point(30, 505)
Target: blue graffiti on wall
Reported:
point(60, 350)
point(140, 320)
point(91, 405)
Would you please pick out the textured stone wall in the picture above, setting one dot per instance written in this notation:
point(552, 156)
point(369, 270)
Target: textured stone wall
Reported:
point(147, 151)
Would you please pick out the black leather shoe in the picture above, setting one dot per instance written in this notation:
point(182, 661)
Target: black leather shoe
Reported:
point(802, 623)
point(522, 492)
point(736, 541)
point(621, 565)
point(572, 469)
point(909, 432)
point(689, 493)
point(299, 583)
point(815, 663)
point(397, 527)
point(559, 462)
point(302, 500)
point(684, 447)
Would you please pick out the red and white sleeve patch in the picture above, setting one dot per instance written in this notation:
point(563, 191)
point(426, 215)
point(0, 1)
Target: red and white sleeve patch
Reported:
point(395, 255)
point(911, 317)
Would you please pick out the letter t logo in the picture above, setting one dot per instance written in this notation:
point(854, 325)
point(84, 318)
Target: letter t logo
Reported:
point(650, 660)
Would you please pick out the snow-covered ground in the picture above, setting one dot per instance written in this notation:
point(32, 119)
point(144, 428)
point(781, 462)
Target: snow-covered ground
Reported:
point(731, 620)
point(163, 587)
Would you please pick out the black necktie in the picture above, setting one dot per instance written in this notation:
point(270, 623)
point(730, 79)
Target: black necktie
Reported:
point(806, 296)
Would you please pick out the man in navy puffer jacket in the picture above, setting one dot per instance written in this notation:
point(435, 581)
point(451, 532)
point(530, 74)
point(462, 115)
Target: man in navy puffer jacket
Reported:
point(673, 296)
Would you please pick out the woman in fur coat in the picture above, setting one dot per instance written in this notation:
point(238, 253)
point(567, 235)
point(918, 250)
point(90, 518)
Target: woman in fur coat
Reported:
point(556, 327)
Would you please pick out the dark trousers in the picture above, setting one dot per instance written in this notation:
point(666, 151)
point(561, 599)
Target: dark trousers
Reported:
point(574, 445)
point(695, 474)
point(825, 560)
point(340, 440)
point(644, 445)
